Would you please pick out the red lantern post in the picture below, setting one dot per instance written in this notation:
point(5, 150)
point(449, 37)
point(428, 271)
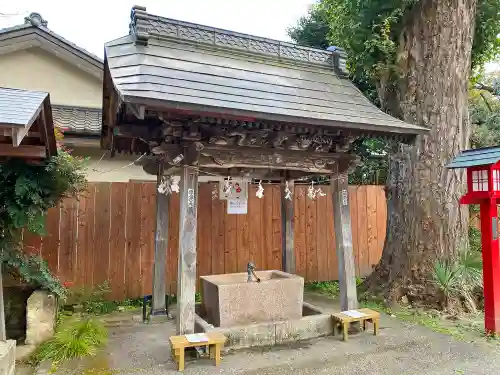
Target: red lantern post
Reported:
point(483, 188)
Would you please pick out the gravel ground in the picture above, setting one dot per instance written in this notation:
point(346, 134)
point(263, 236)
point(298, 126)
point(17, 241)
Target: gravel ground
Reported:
point(400, 348)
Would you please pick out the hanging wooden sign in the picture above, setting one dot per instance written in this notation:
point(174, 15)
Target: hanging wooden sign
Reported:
point(235, 188)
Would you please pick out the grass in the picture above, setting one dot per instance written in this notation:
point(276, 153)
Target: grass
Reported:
point(329, 288)
point(468, 328)
point(73, 339)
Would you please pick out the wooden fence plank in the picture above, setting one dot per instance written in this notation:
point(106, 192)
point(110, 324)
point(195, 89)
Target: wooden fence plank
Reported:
point(147, 243)
point(68, 240)
point(267, 228)
point(322, 217)
point(118, 244)
point(101, 247)
point(362, 234)
point(255, 207)
point(204, 245)
point(133, 265)
point(300, 242)
point(353, 207)
point(32, 243)
point(50, 250)
point(108, 234)
point(372, 231)
point(242, 242)
point(231, 244)
point(173, 243)
point(85, 238)
point(218, 232)
point(311, 241)
point(277, 251)
point(332, 254)
point(381, 222)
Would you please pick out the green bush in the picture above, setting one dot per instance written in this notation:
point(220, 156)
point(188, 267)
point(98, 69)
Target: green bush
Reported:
point(73, 339)
point(460, 279)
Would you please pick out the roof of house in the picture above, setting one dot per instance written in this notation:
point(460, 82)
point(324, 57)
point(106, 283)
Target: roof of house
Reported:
point(78, 120)
point(20, 108)
point(476, 157)
point(26, 125)
point(198, 68)
point(35, 33)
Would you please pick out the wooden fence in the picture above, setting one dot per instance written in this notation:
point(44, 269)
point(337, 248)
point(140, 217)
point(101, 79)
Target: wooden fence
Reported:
point(108, 235)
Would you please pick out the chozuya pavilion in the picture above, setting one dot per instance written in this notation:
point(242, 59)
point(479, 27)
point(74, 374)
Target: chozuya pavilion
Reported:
point(198, 100)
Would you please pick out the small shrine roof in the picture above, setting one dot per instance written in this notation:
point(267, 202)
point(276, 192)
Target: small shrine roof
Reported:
point(189, 67)
point(476, 157)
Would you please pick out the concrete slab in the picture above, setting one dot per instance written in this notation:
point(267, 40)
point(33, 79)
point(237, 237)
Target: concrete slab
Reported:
point(7, 357)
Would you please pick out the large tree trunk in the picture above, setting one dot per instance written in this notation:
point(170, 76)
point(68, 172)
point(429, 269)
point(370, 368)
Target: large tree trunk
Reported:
point(425, 220)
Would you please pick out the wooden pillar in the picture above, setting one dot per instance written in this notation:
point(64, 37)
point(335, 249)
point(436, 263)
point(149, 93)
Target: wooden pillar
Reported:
point(3, 333)
point(287, 222)
point(186, 284)
point(343, 242)
point(491, 266)
point(158, 303)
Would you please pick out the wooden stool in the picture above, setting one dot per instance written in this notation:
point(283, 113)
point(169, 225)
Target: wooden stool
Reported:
point(215, 343)
point(342, 320)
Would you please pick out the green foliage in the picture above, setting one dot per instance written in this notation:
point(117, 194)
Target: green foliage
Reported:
point(475, 239)
point(27, 192)
point(33, 270)
point(94, 301)
point(312, 30)
point(73, 339)
point(330, 288)
point(484, 109)
point(370, 32)
point(460, 278)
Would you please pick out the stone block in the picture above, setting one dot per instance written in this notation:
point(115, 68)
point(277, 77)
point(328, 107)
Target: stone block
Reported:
point(41, 313)
point(303, 329)
point(262, 334)
point(7, 357)
point(229, 300)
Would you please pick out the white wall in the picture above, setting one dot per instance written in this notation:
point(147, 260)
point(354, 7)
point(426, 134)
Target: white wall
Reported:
point(103, 168)
point(35, 69)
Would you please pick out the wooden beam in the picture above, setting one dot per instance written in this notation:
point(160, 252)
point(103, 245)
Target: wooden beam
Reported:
point(158, 303)
point(287, 227)
point(186, 283)
point(343, 242)
point(22, 151)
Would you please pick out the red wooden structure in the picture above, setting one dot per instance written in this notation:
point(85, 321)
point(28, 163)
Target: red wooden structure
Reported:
point(483, 188)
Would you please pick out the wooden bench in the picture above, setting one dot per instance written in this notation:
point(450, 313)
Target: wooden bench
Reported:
point(342, 321)
point(215, 343)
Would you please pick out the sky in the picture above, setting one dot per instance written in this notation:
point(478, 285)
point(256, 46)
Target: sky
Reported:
point(91, 23)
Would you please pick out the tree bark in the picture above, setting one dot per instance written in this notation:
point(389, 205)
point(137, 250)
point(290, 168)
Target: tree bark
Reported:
point(425, 220)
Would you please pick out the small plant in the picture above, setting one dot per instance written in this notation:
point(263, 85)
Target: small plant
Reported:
point(73, 339)
point(445, 278)
point(460, 278)
point(324, 287)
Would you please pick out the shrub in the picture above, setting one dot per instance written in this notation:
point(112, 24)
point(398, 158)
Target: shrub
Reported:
point(73, 339)
point(460, 278)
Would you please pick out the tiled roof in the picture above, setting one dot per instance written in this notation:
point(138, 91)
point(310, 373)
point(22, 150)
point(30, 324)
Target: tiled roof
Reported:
point(199, 68)
point(35, 20)
point(20, 107)
point(77, 119)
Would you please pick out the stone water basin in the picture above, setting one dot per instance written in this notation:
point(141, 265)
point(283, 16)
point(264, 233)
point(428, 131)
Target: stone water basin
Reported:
point(230, 300)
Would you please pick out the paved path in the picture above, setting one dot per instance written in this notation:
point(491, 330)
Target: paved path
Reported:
point(399, 349)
